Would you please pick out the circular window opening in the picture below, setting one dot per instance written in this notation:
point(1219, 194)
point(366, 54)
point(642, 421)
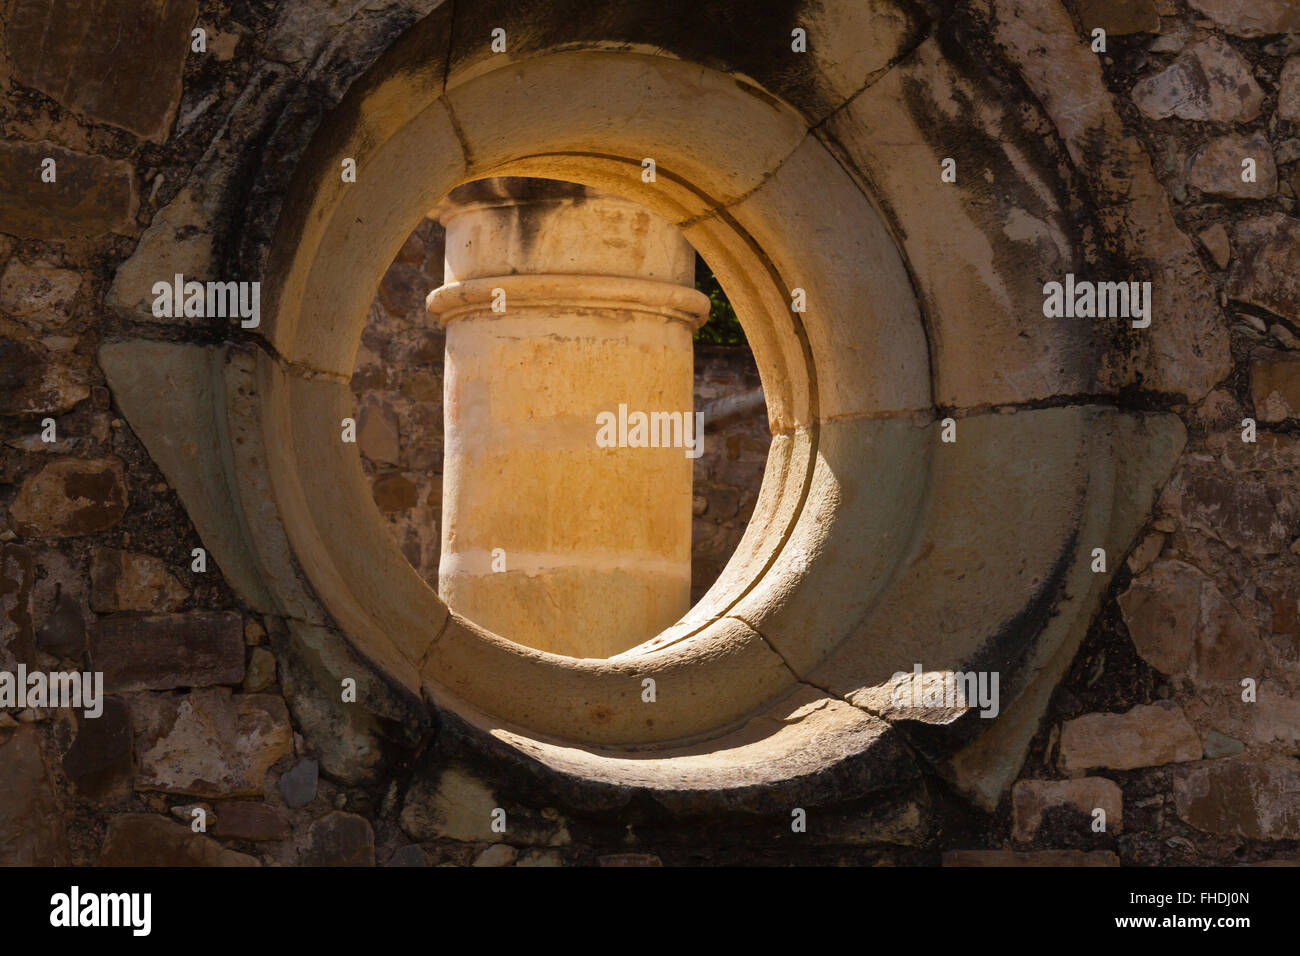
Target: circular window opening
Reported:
point(568, 437)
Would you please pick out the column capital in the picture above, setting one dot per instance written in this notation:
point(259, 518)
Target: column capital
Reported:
point(516, 244)
point(566, 293)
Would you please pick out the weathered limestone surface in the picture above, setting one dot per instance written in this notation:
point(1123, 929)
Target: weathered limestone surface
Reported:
point(1186, 348)
point(40, 293)
point(1266, 272)
point(1240, 495)
point(1288, 98)
point(182, 436)
point(975, 251)
point(178, 241)
point(851, 321)
point(805, 746)
point(1145, 736)
point(313, 662)
point(208, 743)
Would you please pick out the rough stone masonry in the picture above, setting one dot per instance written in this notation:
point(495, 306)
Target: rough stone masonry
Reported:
point(1176, 150)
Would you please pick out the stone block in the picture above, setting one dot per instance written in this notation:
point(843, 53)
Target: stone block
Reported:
point(181, 436)
point(99, 761)
point(208, 743)
point(499, 854)
point(1288, 97)
point(1275, 384)
point(1181, 624)
point(1217, 168)
point(693, 109)
point(979, 255)
point(244, 820)
point(125, 581)
point(1185, 350)
point(378, 435)
point(261, 671)
point(1031, 800)
point(178, 241)
point(90, 195)
point(340, 839)
point(63, 632)
point(298, 786)
point(1209, 81)
point(1267, 271)
point(147, 839)
point(120, 65)
point(32, 831)
point(1255, 801)
point(40, 292)
point(1119, 17)
point(1251, 18)
point(70, 497)
point(33, 381)
point(861, 310)
point(1146, 736)
point(1253, 513)
point(18, 639)
point(348, 738)
point(166, 651)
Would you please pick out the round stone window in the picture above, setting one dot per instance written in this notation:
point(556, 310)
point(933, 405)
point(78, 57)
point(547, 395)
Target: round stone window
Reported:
point(875, 542)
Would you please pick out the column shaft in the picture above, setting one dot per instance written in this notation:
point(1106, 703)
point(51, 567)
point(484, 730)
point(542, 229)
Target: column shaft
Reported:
point(569, 314)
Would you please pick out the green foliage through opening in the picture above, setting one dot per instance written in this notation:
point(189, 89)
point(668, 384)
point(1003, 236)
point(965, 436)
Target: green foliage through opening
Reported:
point(722, 327)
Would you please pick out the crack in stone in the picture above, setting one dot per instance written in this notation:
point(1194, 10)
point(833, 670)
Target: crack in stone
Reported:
point(729, 204)
point(806, 682)
point(451, 45)
point(424, 658)
point(918, 758)
point(875, 77)
point(467, 154)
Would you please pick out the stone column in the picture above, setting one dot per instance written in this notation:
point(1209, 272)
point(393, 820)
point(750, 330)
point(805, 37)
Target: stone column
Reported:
point(568, 312)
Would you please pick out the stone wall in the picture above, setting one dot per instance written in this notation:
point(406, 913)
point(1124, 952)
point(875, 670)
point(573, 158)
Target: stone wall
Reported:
point(1206, 601)
point(729, 472)
point(398, 383)
point(98, 554)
